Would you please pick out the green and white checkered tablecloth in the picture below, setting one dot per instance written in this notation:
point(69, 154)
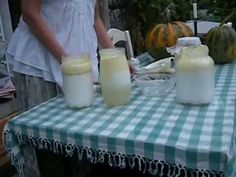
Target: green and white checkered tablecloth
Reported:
point(148, 127)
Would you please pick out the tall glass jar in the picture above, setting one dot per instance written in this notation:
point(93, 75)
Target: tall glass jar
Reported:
point(115, 77)
point(77, 81)
point(195, 76)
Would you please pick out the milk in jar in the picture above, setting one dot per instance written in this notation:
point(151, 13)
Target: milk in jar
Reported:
point(115, 77)
point(77, 81)
point(195, 76)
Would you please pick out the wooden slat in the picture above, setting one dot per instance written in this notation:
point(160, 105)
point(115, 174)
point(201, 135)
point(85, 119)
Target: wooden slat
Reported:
point(4, 159)
point(7, 108)
point(6, 20)
point(2, 123)
point(104, 13)
point(2, 151)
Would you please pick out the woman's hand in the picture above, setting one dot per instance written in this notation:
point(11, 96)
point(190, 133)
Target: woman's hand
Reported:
point(131, 70)
point(101, 31)
point(32, 17)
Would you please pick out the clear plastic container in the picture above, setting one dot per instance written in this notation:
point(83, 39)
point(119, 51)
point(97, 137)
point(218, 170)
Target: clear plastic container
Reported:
point(159, 84)
point(77, 81)
point(115, 77)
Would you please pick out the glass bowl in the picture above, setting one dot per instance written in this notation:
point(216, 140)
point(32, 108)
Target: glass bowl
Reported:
point(158, 84)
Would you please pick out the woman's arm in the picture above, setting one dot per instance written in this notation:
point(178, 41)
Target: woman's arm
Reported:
point(31, 16)
point(101, 31)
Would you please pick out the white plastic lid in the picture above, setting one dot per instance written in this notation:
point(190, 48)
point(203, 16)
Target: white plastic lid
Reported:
point(182, 43)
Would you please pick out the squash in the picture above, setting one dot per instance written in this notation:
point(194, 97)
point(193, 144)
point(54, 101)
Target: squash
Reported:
point(221, 42)
point(165, 35)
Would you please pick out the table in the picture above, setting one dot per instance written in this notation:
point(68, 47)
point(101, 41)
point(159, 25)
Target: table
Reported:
point(151, 133)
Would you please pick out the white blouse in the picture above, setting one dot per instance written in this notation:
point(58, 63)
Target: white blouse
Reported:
point(72, 23)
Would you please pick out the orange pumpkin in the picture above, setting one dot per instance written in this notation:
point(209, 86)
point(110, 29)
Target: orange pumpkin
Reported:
point(165, 35)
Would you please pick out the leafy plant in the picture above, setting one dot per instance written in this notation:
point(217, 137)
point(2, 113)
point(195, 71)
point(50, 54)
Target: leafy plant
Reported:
point(218, 10)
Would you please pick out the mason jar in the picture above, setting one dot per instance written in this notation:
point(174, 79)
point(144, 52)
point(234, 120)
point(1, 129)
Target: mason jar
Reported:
point(77, 81)
point(195, 76)
point(115, 77)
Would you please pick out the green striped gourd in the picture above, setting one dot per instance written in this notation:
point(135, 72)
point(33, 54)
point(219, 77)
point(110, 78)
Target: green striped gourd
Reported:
point(221, 42)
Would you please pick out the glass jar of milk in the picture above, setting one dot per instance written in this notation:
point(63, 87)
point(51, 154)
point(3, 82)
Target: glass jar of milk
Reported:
point(115, 77)
point(77, 81)
point(195, 76)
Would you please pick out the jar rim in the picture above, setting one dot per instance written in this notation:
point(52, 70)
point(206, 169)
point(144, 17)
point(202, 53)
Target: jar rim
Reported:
point(195, 49)
point(111, 52)
point(78, 65)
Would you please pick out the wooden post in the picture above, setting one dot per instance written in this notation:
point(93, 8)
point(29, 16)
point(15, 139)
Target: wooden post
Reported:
point(6, 19)
point(104, 12)
point(195, 17)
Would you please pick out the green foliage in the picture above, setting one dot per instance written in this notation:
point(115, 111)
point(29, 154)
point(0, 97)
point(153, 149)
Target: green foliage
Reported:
point(218, 10)
point(148, 12)
point(183, 10)
point(204, 4)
